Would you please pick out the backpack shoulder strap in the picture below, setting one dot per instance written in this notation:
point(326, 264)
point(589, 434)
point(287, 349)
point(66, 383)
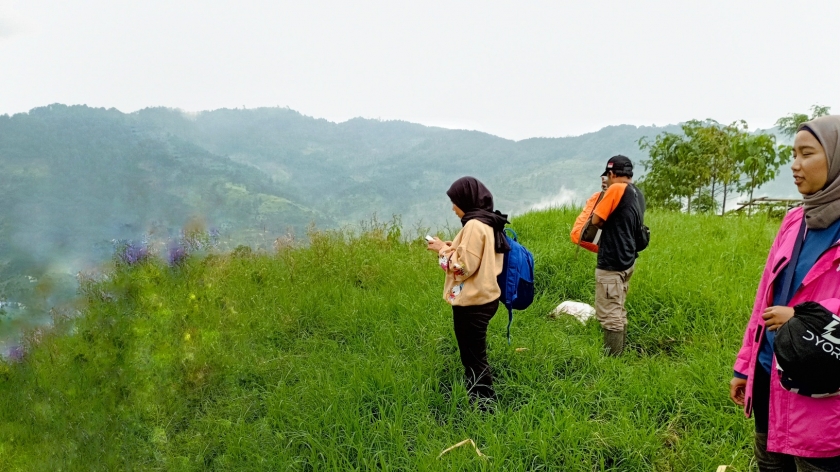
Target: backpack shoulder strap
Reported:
point(588, 222)
point(510, 321)
point(509, 305)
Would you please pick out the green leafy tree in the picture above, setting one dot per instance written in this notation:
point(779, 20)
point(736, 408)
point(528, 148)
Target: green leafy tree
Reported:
point(760, 160)
point(669, 170)
point(705, 202)
point(713, 142)
point(706, 160)
point(790, 123)
point(682, 166)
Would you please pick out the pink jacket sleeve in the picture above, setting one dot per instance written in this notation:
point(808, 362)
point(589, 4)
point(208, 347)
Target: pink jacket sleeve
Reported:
point(742, 362)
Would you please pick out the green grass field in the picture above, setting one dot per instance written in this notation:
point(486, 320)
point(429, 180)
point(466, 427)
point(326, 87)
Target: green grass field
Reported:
point(340, 356)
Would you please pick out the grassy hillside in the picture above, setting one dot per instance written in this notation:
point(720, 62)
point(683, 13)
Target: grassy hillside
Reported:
point(75, 179)
point(341, 356)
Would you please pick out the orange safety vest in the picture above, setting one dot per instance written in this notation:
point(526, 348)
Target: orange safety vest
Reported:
point(590, 238)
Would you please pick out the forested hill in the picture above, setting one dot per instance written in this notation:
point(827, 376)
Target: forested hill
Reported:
point(73, 178)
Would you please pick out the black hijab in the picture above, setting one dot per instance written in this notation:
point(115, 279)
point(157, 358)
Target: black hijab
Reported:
point(473, 198)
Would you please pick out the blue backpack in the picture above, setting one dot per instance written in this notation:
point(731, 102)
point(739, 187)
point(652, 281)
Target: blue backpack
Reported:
point(517, 278)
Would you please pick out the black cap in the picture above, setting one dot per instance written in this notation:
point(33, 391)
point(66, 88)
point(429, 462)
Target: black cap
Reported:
point(618, 163)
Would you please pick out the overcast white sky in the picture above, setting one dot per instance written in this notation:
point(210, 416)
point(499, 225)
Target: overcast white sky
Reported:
point(513, 69)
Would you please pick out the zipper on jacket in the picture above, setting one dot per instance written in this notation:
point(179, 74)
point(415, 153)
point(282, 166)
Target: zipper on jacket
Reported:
point(772, 283)
point(757, 365)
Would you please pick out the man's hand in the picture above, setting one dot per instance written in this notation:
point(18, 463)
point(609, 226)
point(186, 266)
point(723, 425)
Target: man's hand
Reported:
point(737, 388)
point(776, 316)
point(597, 221)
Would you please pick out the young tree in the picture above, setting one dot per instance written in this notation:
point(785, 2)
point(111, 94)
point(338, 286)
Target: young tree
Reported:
point(714, 142)
point(670, 169)
point(789, 124)
point(709, 157)
point(759, 160)
point(682, 166)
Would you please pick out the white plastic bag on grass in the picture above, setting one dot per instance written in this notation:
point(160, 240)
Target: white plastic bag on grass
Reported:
point(581, 311)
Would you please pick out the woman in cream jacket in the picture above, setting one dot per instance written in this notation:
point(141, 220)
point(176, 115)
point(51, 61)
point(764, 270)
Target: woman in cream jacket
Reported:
point(472, 261)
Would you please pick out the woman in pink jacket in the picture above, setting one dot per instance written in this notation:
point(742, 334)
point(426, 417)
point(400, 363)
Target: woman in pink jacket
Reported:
point(793, 431)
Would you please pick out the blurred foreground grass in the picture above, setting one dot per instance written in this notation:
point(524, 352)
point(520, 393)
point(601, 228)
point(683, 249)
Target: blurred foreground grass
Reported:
point(340, 356)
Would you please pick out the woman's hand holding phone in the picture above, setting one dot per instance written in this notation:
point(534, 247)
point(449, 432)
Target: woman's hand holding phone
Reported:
point(435, 244)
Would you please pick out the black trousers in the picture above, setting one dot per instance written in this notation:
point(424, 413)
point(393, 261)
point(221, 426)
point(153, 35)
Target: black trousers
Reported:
point(470, 324)
point(761, 399)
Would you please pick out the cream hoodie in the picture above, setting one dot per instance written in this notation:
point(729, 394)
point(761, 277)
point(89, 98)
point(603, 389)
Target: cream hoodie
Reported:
point(471, 265)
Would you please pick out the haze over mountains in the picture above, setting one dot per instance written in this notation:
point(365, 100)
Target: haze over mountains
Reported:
point(74, 178)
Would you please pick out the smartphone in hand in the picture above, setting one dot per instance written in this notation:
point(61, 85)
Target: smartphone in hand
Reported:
point(429, 238)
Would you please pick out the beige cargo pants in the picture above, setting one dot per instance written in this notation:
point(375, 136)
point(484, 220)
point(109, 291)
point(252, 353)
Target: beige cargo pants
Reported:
point(610, 294)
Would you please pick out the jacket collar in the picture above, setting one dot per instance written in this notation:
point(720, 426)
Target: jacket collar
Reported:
point(781, 258)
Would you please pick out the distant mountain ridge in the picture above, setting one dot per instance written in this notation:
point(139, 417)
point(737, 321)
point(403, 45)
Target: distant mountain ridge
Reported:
point(73, 178)
point(350, 170)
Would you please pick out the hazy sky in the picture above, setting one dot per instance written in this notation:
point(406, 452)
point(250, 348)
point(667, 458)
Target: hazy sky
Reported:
point(514, 69)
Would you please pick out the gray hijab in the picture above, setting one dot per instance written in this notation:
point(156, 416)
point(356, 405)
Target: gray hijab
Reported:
point(823, 207)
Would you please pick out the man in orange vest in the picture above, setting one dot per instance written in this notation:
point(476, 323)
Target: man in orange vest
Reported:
point(620, 215)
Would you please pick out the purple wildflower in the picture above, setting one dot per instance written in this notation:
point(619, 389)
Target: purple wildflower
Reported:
point(135, 253)
point(177, 253)
point(16, 353)
point(131, 253)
